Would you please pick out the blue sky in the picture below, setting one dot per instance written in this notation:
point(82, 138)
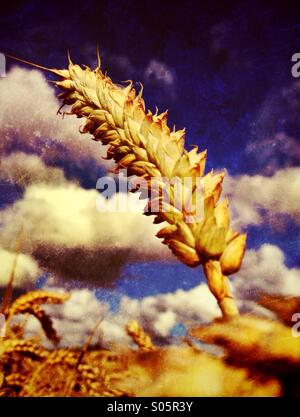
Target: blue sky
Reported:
point(228, 70)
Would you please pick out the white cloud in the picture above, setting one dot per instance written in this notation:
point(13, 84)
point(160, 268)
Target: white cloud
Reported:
point(160, 313)
point(264, 271)
point(28, 119)
point(67, 235)
point(159, 72)
point(250, 195)
point(26, 271)
point(165, 323)
point(24, 169)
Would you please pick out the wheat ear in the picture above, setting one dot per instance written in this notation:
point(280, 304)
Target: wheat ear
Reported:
point(27, 347)
point(139, 336)
point(30, 303)
point(142, 142)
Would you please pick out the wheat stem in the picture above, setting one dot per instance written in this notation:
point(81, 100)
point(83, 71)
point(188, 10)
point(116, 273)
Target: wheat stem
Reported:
point(219, 286)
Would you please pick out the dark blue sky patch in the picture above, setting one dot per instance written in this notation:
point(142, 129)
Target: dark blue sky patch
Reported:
point(142, 279)
point(9, 193)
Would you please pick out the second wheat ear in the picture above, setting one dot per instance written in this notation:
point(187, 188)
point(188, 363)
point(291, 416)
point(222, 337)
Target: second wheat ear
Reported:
point(142, 142)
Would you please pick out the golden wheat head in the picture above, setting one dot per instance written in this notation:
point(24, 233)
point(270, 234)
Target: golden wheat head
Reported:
point(142, 142)
point(30, 303)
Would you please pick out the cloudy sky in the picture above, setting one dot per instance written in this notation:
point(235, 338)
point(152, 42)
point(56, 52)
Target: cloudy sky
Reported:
point(224, 73)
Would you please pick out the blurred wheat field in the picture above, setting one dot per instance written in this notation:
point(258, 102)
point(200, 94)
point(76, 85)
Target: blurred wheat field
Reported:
point(260, 358)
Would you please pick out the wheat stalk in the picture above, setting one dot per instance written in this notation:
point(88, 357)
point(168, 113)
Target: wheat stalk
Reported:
point(10, 283)
point(142, 142)
point(72, 379)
